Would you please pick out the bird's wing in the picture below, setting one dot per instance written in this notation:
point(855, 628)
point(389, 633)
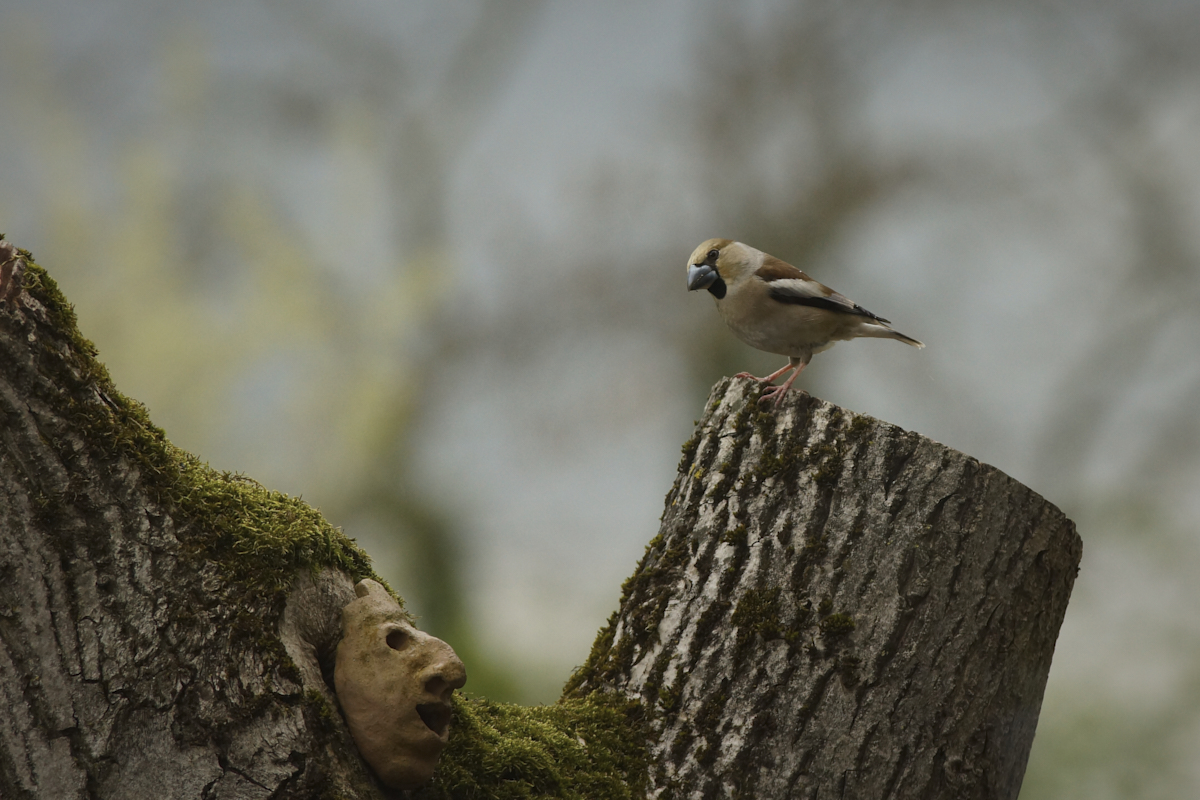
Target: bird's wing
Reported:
point(786, 284)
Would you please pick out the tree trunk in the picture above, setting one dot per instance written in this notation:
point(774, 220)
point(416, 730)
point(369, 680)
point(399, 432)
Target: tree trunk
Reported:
point(148, 648)
point(835, 607)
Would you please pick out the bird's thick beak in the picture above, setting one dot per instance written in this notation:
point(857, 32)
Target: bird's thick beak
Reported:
point(701, 276)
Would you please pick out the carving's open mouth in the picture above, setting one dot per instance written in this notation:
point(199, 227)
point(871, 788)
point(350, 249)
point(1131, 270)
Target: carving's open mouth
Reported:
point(436, 717)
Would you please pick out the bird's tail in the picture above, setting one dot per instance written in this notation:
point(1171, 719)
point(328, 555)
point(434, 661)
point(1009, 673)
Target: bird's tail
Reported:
point(907, 339)
point(881, 331)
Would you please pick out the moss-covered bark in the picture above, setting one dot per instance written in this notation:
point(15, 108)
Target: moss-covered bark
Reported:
point(592, 748)
point(141, 594)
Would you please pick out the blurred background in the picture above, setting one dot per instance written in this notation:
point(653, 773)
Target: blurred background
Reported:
point(422, 263)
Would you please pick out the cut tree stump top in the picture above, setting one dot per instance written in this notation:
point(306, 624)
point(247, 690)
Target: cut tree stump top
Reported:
point(836, 607)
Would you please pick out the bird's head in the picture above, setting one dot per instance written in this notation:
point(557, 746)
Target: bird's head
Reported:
point(716, 263)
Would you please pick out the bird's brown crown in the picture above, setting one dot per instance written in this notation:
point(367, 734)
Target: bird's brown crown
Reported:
point(700, 254)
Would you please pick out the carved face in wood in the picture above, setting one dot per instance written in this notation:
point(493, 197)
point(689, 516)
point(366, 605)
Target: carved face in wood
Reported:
point(394, 684)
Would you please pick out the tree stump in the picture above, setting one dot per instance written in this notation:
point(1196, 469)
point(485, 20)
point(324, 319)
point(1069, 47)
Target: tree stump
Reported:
point(835, 607)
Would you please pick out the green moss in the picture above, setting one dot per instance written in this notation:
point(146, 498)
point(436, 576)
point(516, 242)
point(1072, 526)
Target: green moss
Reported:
point(764, 419)
point(860, 425)
point(829, 464)
point(737, 537)
point(61, 313)
point(718, 490)
point(259, 535)
point(770, 465)
point(708, 721)
point(847, 669)
point(645, 595)
point(758, 613)
point(815, 547)
point(322, 710)
point(669, 697)
point(679, 745)
point(780, 455)
point(837, 625)
point(591, 749)
point(741, 420)
point(689, 452)
point(657, 671)
point(786, 454)
point(705, 625)
point(596, 659)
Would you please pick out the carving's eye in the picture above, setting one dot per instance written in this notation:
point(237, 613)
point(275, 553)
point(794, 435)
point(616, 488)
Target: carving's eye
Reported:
point(397, 639)
point(712, 254)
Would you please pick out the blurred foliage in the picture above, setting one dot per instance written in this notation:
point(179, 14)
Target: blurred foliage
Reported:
point(205, 291)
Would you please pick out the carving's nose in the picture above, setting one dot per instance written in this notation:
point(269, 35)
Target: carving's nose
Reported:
point(445, 674)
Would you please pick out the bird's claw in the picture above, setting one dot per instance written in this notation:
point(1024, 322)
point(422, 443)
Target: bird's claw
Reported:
point(776, 393)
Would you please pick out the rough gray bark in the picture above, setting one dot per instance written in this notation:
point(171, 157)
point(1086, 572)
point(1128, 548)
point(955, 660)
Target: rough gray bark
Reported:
point(132, 663)
point(836, 607)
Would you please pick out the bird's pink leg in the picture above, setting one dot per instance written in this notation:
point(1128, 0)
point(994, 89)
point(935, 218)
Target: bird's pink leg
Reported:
point(770, 378)
point(777, 392)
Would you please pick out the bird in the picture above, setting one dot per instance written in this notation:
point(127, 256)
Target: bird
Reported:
point(775, 307)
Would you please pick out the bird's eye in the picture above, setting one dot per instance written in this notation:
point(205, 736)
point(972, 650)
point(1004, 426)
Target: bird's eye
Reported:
point(714, 253)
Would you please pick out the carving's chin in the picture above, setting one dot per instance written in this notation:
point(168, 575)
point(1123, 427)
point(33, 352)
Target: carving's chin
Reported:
point(412, 774)
point(415, 767)
point(407, 756)
point(421, 740)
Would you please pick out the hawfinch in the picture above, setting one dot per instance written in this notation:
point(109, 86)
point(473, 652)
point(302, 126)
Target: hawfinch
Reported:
point(771, 305)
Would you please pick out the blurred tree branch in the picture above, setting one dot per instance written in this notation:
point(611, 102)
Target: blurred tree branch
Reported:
point(1157, 295)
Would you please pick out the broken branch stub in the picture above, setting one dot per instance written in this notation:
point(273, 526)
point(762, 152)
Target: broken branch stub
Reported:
point(836, 605)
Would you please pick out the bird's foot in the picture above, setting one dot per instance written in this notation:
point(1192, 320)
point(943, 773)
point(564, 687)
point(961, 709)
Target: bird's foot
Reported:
point(776, 394)
point(751, 377)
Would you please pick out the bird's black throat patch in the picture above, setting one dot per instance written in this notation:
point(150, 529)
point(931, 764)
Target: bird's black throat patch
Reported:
point(717, 288)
